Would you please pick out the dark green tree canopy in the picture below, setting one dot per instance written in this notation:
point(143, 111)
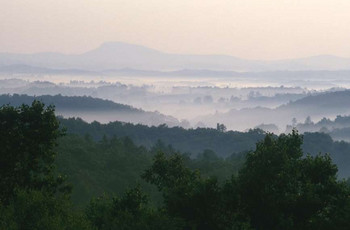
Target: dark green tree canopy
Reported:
point(28, 136)
point(277, 186)
point(281, 189)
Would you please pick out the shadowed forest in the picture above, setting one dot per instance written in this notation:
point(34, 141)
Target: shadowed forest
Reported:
point(61, 173)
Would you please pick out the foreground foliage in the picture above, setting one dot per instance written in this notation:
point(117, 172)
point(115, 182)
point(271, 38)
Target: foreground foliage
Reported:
point(276, 187)
point(281, 189)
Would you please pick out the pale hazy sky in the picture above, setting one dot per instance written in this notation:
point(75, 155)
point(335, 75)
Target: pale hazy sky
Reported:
point(255, 29)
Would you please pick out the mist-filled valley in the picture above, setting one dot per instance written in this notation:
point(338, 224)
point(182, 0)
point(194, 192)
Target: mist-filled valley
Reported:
point(174, 115)
point(126, 137)
point(272, 101)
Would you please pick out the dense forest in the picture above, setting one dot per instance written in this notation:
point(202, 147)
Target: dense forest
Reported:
point(53, 180)
point(113, 165)
point(224, 144)
point(186, 140)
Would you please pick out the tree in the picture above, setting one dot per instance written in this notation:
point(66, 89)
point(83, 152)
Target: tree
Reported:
point(129, 212)
point(279, 189)
point(200, 202)
point(28, 136)
point(32, 196)
point(221, 127)
point(308, 121)
point(35, 209)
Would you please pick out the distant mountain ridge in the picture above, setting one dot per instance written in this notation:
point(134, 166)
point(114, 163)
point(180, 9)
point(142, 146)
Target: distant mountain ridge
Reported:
point(118, 55)
point(287, 74)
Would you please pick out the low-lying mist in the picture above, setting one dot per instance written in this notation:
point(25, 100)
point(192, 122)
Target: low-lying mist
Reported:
point(273, 102)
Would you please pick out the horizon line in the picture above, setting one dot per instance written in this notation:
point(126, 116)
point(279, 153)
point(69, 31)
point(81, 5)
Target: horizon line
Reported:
point(170, 53)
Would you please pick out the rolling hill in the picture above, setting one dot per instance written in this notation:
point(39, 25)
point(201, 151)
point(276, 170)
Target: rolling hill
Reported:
point(91, 109)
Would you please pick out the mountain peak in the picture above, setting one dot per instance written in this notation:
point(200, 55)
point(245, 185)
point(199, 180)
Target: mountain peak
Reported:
point(123, 47)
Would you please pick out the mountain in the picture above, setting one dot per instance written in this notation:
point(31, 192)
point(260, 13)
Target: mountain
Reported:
point(91, 109)
point(118, 55)
point(286, 75)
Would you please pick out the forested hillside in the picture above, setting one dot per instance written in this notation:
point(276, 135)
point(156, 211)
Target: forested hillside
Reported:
point(47, 178)
point(192, 141)
point(67, 103)
point(195, 141)
point(317, 105)
point(89, 108)
point(113, 165)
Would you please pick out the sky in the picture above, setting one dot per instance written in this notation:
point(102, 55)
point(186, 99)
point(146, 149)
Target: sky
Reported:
point(251, 29)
